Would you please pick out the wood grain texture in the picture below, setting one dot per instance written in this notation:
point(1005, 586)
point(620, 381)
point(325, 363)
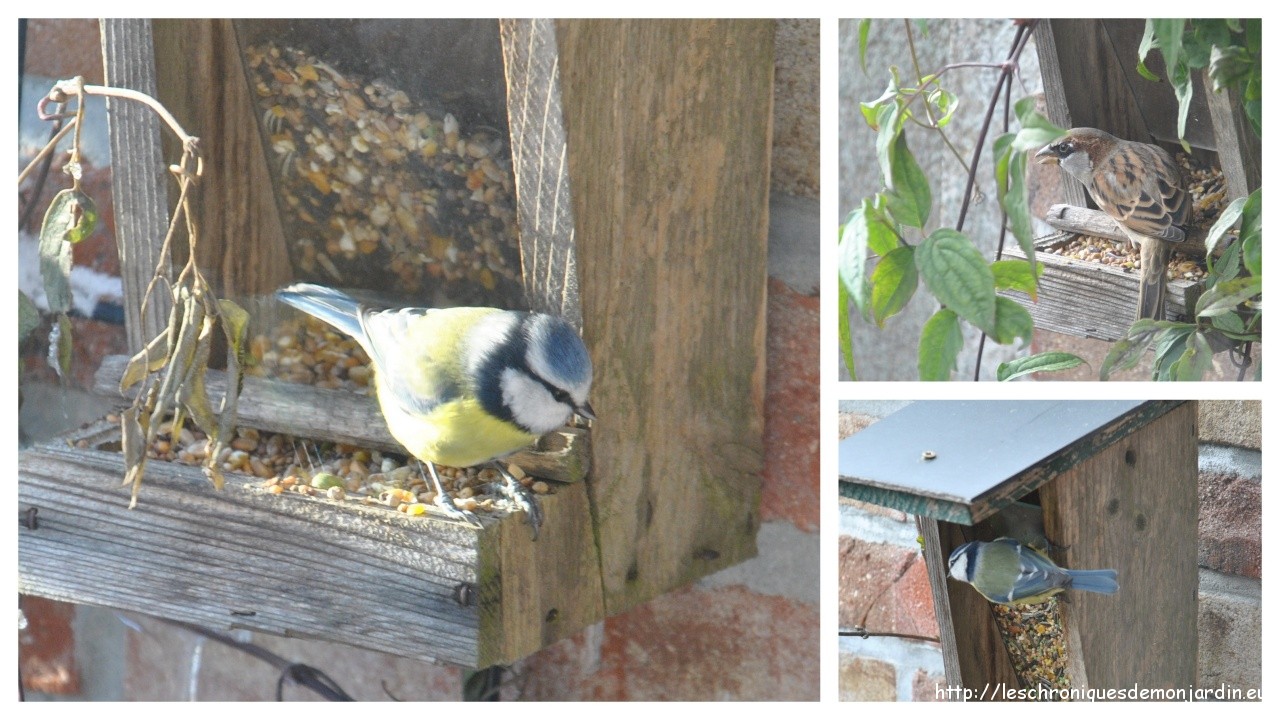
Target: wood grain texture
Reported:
point(203, 83)
point(668, 128)
point(1089, 299)
point(1095, 223)
point(301, 567)
point(345, 417)
point(977, 659)
point(544, 205)
point(139, 176)
point(1134, 508)
point(1239, 149)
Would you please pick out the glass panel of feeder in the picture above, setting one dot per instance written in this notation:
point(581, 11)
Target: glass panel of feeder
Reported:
point(388, 144)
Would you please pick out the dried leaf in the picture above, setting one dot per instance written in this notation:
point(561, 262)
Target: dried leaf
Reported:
point(148, 360)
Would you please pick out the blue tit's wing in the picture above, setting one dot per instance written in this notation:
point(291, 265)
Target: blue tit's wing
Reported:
point(1037, 574)
point(414, 356)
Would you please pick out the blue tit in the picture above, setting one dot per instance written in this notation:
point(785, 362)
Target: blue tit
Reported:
point(1007, 572)
point(466, 385)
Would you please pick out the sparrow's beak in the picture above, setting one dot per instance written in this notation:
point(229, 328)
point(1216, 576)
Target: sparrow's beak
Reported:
point(1046, 156)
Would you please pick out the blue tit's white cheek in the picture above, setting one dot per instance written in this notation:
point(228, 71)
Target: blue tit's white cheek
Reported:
point(531, 404)
point(960, 568)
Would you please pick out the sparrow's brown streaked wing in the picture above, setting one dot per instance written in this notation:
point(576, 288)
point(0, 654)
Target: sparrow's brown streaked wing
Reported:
point(1144, 190)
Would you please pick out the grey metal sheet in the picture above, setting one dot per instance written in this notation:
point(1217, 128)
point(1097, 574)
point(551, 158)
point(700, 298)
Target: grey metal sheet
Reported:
point(979, 448)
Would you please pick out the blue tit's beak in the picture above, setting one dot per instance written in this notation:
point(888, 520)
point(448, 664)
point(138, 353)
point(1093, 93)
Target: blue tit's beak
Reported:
point(585, 411)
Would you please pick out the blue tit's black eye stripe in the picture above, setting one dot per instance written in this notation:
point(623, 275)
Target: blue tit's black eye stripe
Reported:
point(512, 353)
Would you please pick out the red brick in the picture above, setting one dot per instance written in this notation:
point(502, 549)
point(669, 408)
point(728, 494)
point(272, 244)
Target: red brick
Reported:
point(867, 680)
point(690, 644)
point(884, 589)
point(46, 649)
point(791, 476)
point(64, 48)
point(924, 687)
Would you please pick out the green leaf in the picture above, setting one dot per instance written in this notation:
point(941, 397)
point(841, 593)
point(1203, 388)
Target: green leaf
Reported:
point(845, 332)
point(1016, 275)
point(1015, 205)
point(1225, 296)
point(1230, 66)
point(28, 316)
point(946, 103)
point(87, 218)
point(909, 198)
point(1126, 351)
point(888, 128)
point(1229, 323)
point(864, 29)
point(893, 283)
point(55, 251)
point(1180, 78)
point(940, 345)
point(1227, 220)
point(1037, 131)
point(1168, 38)
point(1012, 321)
point(853, 254)
point(959, 276)
point(1144, 47)
point(1040, 362)
point(1170, 344)
point(1225, 267)
point(1251, 232)
point(1196, 360)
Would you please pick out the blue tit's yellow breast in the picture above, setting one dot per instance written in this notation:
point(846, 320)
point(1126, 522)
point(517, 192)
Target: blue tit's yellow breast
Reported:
point(458, 433)
point(454, 430)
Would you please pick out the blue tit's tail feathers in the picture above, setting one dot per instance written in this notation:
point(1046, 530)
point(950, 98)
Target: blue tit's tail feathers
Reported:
point(1099, 581)
point(332, 306)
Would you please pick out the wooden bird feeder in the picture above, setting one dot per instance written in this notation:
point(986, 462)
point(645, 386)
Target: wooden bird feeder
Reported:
point(1115, 485)
point(638, 156)
point(1090, 79)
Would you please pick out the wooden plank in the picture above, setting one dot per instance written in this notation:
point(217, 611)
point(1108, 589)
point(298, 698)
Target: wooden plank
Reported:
point(976, 659)
point(320, 414)
point(139, 174)
point(1133, 507)
point(203, 83)
point(544, 202)
point(1095, 223)
point(1239, 148)
point(1088, 299)
point(303, 567)
point(1095, 89)
point(668, 129)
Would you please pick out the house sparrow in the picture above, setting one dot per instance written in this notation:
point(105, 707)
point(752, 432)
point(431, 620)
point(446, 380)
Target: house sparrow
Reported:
point(1141, 188)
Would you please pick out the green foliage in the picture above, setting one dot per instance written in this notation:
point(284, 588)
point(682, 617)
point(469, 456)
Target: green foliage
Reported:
point(885, 251)
point(1230, 49)
point(1227, 314)
point(28, 316)
point(1040, 362)
point(940, 344)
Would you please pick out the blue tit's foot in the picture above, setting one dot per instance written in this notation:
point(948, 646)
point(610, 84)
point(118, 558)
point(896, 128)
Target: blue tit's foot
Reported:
point(520, 497)
point(444, 501)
